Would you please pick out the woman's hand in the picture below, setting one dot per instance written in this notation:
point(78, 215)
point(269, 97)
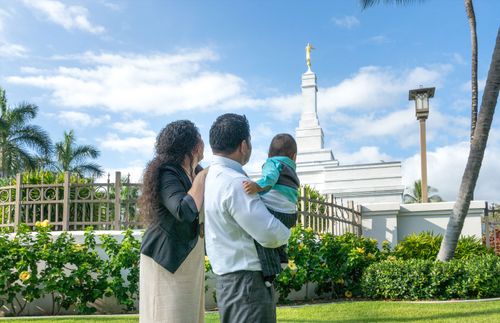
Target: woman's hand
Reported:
point(198, 189)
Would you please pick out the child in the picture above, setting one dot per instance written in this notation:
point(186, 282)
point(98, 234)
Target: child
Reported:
point(278, 188)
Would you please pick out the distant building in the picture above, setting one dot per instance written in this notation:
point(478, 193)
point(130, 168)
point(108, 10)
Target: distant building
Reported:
point(317, 166)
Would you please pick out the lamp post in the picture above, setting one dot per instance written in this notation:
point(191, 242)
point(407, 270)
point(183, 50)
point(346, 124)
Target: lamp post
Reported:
point(421, 97)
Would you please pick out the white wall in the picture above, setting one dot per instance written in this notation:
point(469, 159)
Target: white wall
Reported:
point(394, 221)
point(108, 305)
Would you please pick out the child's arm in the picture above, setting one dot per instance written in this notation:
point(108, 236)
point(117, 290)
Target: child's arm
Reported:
point(270, 175)
point(251, 187)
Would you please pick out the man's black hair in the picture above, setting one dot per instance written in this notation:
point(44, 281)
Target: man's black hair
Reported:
point(283, 144)
point(228, 131)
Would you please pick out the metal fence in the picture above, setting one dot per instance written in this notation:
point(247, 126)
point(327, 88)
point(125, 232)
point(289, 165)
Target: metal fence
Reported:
point(69, 202)
point(491, 222)
point(327, 214)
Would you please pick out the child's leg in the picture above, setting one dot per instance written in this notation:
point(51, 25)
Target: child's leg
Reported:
point(270, 262)
point(289, 220)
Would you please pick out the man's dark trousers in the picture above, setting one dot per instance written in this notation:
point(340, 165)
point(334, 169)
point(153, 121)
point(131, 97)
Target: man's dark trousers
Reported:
point(243, 297)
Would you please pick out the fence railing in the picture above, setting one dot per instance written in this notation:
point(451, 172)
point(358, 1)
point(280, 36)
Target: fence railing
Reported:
point(327, 214)
point(69, 202)
point(491, 222)
point(72, 203)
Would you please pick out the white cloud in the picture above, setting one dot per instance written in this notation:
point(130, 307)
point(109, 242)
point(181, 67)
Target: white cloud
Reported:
point(372, 87)
point(445, 167)
point(364, 155)
point(259, 156)
point(69, 17)
point(134, 170)
point(401, 126)
point(458, 59)
point(78, 119)
point(157, 84)
point(379, 39)
point(481, 83)
point(10, 50)
point(3, 16)
point(262, 131)
point(346, 22)
point(135, 127)
point(143, 145)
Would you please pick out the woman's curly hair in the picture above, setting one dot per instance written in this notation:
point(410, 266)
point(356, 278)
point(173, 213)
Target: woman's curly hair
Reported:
point(176, 141)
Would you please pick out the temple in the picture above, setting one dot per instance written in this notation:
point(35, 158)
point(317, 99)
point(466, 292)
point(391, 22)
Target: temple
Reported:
point(317, 166)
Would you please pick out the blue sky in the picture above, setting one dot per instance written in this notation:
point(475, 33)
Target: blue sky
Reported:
point(117, 71)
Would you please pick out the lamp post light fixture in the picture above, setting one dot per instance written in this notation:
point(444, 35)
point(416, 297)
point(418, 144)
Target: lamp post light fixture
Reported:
point(421, 97)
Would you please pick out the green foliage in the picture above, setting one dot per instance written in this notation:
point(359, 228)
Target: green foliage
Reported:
point(334, 263)
point(122, 257)
point(474, 277)
point(19, 277)
point(311, 203)
point(414, 194)
point(72, 274)
point(425, 245)
point(73, 158)
point(19, 139)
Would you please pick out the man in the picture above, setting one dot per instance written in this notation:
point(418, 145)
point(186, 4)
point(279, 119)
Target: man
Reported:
point(233, 220)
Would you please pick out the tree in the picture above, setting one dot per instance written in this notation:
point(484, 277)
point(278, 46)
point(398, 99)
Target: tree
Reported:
point(19, 140)
point(476, 154)
point(471, 16)
point(73, 158)
point(479, 133)
point(469, 9)
point(415, 195)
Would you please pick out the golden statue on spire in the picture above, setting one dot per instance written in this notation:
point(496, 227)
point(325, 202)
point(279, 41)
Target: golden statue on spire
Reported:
point(309, 47)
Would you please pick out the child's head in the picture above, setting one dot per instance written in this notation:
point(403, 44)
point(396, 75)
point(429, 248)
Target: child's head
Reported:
point(283, 144)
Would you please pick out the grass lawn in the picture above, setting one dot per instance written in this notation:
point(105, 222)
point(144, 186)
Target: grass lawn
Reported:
point(352, 312)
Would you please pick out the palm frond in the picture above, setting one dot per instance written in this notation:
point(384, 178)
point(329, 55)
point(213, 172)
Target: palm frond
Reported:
point(23, 113)
point(90, 168)
point(34, 137)
point(365, 4)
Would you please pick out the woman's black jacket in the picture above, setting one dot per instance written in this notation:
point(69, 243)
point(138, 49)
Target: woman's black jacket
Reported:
point(171, 237)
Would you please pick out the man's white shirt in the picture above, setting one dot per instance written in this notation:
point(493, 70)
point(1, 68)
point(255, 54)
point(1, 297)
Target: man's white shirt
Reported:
point(233, 219)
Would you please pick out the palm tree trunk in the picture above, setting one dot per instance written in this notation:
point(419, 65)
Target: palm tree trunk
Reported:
point(469, 9)
point(476, 154)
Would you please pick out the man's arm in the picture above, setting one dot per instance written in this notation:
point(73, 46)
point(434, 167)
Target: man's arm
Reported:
point(252, 215)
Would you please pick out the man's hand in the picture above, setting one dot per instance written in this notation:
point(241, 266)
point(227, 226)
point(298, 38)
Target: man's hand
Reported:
point(251, 187)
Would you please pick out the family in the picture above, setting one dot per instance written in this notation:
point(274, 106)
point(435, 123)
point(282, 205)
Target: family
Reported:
point(241, 225)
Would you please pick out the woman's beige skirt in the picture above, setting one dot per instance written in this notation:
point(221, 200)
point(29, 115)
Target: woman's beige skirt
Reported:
point(173, 298)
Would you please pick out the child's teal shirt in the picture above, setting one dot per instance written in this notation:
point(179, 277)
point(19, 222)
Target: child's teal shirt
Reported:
point(271, 172)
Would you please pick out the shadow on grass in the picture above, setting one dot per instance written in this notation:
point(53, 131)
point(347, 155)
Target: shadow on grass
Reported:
point(471, 314)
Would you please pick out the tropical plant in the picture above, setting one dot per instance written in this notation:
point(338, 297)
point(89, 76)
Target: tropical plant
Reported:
point(20, 141)
point(475, 159)
point(73, 158)
point(480, 132)
point(414, 195)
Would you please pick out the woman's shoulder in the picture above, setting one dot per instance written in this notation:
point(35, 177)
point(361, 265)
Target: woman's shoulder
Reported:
point(168, 167)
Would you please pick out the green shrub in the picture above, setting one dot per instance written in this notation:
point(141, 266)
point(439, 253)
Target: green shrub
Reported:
point(425, 245)
point(334, 263)
point(122, 258)
point(73, 275)
point(474, 277)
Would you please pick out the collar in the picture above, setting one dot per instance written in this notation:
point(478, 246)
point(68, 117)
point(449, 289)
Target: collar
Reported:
point(226, 162)
point(286, 160)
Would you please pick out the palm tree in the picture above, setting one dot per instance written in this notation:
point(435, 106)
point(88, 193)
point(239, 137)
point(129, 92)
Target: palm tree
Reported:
point(476, 154)
point(469, 9)
point(480, 132)
point(471, 16)
point(73, 158)
point(415, 195)
point(19, 140)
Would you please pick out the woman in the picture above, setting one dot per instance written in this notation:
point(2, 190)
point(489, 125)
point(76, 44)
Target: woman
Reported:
point(172, 251)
